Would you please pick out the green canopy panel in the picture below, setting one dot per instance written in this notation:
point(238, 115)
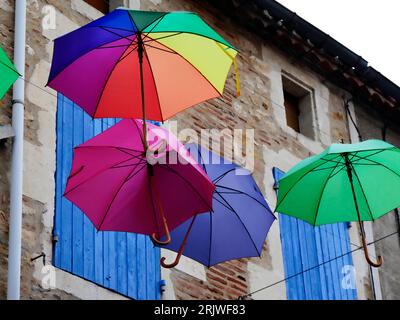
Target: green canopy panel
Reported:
point(354, 182)
point(8, 73)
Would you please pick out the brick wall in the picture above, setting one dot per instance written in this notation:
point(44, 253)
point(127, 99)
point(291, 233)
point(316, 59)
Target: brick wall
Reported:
point(259, 108)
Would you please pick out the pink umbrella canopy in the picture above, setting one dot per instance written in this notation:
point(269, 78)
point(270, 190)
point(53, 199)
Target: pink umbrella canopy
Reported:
point(120, 188)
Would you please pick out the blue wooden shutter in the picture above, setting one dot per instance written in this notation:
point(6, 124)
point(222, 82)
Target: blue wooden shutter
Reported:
point(122, 262)
point(305, 247)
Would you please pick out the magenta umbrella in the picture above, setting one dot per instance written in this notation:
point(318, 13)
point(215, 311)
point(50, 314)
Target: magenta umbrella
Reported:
point(114, 184)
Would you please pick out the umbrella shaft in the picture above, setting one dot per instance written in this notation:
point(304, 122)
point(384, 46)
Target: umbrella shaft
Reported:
point(364, 242)
point(140, 54)
point(350, 175)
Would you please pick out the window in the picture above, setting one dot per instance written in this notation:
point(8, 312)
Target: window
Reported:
point(101, 5)
point(299, 106)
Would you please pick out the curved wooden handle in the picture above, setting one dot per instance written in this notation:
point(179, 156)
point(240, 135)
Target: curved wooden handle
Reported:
point(376, 264)
point(180, 252)
point(166, 229)
point(167, 234)
point(172, 265)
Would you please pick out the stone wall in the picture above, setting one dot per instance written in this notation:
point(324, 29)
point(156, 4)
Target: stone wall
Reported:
point(260, 107)
point(371, 126)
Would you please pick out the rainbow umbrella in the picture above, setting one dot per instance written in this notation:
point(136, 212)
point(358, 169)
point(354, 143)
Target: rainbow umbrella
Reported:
point(8, 73)
point(142, 65)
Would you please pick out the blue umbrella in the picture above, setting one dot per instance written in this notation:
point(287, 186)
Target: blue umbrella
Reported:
point(237, 226)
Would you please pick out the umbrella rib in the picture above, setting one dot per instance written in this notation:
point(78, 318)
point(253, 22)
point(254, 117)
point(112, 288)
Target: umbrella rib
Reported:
point(106, 27)
point(128, 165)
point(186, 181)
point(322, 169)
point(152, 202)
point(298, 180)
point(337, 172)
point(194, 34)
point(243, 193)
point(154, 81)
point(238, 217)
point(140, 133)
point(168, 51)
point(314, 169)
point(9, 67)
point(133, 155)
point(363, 192)
point(211, 236)
point(322, 193)
point(96, 174)
point(364, 164)
point(123, 150)
point(219, 178)
point(124, 56)
point(160, 38)
point(74, 60)
point(131, 176)
point(116, 46)
point(117, 34)
point(134, 26)
point(202, 160)
point(370, 155)
point(107, 80)
point(380, 164)
point(192, 67)
point(155, 24)
point(114, 197)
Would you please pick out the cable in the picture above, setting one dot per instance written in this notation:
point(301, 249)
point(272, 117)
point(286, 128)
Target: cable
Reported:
point(347, 107)
point(71, 103)
point(312, 268)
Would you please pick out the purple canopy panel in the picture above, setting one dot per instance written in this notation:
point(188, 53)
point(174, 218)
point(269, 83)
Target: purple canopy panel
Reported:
point(239, 222)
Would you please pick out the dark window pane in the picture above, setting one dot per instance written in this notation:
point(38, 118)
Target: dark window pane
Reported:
point(292, 111)
point(101, 5)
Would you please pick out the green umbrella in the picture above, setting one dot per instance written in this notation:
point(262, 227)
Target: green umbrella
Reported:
point(346, 182)
point(8, 73)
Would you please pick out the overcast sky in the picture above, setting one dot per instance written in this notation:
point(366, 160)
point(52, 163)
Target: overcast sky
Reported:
point(370, 28)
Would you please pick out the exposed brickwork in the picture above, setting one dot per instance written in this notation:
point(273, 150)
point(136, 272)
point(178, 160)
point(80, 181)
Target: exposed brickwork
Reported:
point(255, 108)
point(227, 281)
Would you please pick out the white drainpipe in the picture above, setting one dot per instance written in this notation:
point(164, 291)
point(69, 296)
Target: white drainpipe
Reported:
point(14, 244)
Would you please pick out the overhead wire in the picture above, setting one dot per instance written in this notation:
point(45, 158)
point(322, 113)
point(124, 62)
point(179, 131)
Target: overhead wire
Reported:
point(314, 267)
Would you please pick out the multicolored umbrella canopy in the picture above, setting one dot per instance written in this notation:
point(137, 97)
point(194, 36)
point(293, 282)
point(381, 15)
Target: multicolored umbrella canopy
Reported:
point(113, 183)
point(237, 225)
point(179, 59)
point(8, 73)
point(347, 182)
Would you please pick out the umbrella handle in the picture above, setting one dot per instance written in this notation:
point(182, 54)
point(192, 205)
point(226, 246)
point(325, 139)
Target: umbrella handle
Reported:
point(350, 170)
point(376, 264)
point(172, 265)
point(165, 225)
point(180, 252)
point(167, 233)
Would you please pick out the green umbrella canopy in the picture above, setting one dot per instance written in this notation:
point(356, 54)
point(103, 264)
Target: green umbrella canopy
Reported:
point(8, 73)
point(353, 182)
point(318, 189)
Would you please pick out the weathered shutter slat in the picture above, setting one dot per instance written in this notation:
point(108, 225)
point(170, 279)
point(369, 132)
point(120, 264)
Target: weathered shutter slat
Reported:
point(66, 206)
point(323, 269)
point(125, 263)
point(77, 217)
